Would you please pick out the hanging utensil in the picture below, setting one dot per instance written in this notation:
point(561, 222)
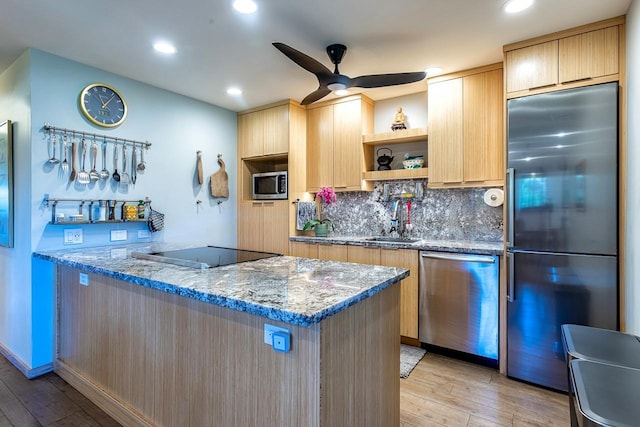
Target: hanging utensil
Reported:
point(104, 173)
point(124, 178)
point(64, 166)
point(73, 175)
point(142, 164)
point(133, 165)
point(53, 159)
point(83, 176)
point(93, 174)
point(199, 167)
point(116, 175)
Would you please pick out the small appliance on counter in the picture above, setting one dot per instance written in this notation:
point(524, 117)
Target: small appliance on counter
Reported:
point(270, 186)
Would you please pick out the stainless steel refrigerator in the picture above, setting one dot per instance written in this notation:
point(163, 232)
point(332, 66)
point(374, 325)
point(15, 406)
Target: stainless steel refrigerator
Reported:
point(562, 224)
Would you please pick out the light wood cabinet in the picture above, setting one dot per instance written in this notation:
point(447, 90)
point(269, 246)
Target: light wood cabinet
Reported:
point(334, 143)
point(584, 55)
point(363, 255)
point(405, 258)
point(465, 129)
point(588, 55)
point(304, 250)
point(264, 132)
point(332, 252)
point(261, 226)
point(532, 67)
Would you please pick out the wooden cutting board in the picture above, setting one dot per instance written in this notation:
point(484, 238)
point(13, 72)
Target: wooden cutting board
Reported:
point(199, 167)
point(220, 181)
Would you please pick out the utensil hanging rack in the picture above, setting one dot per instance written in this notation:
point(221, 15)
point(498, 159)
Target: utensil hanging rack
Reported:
point(52, 202)
point(102, 137)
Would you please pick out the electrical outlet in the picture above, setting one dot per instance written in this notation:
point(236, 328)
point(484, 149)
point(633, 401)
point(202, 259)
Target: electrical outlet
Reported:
point(143, 234)
point(118, 235)
point(73, 236)
point(269, 330)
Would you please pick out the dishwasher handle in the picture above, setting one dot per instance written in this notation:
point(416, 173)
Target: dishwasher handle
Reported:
point(459, 257)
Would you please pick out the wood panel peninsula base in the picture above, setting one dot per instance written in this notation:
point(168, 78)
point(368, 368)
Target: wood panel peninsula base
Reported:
point(149, 357)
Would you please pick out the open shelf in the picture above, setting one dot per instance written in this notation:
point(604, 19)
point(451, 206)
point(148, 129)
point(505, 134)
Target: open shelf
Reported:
point(396, 174)
point(396, 137)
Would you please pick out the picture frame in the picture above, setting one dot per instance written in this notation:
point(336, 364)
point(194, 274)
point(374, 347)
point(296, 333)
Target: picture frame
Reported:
point(6, 185)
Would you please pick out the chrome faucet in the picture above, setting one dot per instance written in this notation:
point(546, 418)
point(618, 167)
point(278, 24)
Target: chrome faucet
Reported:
point(396, 223)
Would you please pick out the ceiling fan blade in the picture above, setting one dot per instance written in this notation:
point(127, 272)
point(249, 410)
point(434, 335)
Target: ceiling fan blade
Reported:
point(380, 80)
point(321, 92)
point(305, 61)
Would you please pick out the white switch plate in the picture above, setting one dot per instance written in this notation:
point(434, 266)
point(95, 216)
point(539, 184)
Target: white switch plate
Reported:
point(118, 235)
point(143, 234)
point(73, 236)
point(84, 279)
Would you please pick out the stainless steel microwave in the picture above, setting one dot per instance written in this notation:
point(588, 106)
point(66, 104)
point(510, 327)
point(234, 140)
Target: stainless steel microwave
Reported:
point(270, 185)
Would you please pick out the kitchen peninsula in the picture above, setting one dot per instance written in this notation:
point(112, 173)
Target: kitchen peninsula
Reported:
point(160, 344)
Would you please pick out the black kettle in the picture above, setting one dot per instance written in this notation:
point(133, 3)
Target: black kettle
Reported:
point(384, 161)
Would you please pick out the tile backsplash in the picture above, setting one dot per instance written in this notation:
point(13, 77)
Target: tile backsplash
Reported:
point(442, 214)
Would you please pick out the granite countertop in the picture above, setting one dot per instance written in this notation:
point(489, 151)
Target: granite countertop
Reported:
point(458, 246)
point(294, 290)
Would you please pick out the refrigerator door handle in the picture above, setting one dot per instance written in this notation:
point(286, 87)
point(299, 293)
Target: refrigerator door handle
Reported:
point(510, 281)
point(510, 200)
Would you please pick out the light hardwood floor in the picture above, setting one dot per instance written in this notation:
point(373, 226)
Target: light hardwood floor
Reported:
point(446, 392)
point(439, 392)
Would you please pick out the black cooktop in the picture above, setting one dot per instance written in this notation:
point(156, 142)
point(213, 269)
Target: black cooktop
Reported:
point(204, 257)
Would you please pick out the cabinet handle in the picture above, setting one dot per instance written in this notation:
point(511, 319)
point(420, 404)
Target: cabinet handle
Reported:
point(577, 80)
point(542, 87)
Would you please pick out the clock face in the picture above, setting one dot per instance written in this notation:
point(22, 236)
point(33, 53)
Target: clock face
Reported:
point(103, 105)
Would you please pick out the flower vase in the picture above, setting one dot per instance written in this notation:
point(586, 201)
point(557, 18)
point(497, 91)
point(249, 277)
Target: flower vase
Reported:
point(321, 230)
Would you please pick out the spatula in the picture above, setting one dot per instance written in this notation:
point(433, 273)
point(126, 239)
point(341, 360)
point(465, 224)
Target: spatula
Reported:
point(124, 178)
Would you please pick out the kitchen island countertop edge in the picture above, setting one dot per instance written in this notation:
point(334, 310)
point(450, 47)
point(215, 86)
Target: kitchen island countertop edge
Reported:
point(293, 290)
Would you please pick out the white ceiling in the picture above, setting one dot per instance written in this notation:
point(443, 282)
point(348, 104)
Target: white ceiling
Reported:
point(218, 48)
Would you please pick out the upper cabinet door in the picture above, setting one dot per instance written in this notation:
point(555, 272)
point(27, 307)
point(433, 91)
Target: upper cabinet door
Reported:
point(532, 67)
point(589, 55)
point(445, 148)
point(276, 130)
point(250, 134)
point(483, 118)
point(347, 145)
point(319, 147)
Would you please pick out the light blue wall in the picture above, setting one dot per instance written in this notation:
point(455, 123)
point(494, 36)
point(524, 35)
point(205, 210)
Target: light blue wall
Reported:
point(15, 277)
point(175, 125)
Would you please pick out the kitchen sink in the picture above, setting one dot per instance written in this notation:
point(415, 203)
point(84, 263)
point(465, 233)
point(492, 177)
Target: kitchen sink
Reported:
point(392, 239)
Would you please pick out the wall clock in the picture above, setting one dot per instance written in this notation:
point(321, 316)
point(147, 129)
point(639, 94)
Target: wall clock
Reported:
point(103, 105)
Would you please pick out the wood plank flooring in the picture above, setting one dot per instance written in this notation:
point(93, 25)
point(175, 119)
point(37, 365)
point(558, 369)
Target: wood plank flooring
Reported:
point(446, 392)
point(439, 392)
point(44, 401)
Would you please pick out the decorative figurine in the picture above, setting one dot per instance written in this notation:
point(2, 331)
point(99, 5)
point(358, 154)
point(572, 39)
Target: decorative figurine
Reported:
point(398, 122)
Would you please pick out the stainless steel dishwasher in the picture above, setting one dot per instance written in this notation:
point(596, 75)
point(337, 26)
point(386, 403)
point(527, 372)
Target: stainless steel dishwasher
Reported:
point(459, 302)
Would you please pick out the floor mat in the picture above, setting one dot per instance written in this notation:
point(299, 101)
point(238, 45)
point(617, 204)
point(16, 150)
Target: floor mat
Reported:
point(409, 358)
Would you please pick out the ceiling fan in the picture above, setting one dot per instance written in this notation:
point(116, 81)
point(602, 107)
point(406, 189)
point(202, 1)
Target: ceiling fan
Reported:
point(331, 81)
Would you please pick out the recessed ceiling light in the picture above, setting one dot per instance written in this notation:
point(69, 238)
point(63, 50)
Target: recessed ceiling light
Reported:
point(234, 91)
point(164, 47)
point(515, 6)
point(245, 6)
point(432, 71)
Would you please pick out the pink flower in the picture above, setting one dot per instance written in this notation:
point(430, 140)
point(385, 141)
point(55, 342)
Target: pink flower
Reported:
point(327, 195)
